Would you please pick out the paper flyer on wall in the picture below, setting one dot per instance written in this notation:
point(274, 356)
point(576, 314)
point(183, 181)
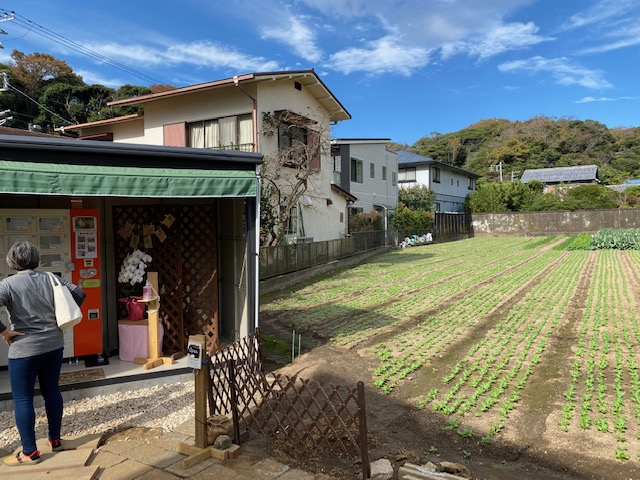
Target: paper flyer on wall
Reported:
point(85, 230)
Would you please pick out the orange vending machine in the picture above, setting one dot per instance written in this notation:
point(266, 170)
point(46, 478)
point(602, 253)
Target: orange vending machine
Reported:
point(86, 273)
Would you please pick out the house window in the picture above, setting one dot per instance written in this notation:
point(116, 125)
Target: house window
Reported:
point(457, 183)
point(291, 225)
point(435, 172)
point(452, 182)
point(470, 183)
point(393, 178)
point(225, 133)
point(384, 172)
point(438, 207)
point(299, 144)
point(355, 211)
point(337, 163)
point(407, 174)
point(356, 170)
point(372, 170)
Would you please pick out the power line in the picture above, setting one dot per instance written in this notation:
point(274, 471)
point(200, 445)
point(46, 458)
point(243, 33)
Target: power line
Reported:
point(7, 85)
point(60, 39)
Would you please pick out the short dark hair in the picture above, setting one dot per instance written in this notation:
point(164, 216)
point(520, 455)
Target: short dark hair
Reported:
point(23, 256)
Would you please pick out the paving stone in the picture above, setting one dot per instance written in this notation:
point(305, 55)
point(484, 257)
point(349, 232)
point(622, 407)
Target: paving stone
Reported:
point(220, 472)
point(157, 474)
point(171, 439)
point(153, 456)
point(127, 470)
point(71, 443)
point(187, 428)
point(410, 471)
point(295, 474)
point(105, 459)
point(122, 447)
point(193, 470)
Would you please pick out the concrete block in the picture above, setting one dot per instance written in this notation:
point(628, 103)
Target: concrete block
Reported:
point(127, 470)
point(382, 469)
point(82, 473)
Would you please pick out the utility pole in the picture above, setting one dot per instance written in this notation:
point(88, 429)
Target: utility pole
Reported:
point(497, 168)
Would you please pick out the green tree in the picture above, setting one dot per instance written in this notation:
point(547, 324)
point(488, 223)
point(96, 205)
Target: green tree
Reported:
point(411, 222)
point(417, 197)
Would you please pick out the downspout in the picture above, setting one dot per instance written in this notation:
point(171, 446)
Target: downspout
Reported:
point(256, 254)
point(254, 114)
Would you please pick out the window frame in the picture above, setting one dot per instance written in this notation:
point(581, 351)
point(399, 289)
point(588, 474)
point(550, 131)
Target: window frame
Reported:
point(356, 174)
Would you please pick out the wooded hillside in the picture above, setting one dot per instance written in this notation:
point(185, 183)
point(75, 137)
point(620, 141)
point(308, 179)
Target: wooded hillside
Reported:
point(540, 142)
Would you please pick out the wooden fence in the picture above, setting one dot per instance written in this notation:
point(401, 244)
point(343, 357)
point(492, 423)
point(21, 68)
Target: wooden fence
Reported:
point(306, 414)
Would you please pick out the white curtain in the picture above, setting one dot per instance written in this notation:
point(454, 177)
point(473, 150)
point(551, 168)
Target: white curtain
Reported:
point(246, 131)
point(212, 134)
point(227, 131)
point(196, 135)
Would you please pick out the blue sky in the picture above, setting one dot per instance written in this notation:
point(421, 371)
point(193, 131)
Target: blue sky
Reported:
point(403, 69)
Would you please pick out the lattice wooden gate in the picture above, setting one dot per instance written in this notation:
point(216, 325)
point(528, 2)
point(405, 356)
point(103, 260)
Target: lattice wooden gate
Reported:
point(186, 262)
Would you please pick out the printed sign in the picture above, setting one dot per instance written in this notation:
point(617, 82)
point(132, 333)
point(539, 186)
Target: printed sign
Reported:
point(194, 355)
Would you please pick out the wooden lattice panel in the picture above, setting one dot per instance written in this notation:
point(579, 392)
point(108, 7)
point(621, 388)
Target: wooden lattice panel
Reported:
point(200, 272)
point(186, 262)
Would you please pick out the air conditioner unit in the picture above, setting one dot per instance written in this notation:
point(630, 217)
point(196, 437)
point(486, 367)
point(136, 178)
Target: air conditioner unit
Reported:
point(307, 201)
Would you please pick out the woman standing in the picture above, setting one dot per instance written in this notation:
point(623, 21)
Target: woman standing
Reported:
point(35, 347)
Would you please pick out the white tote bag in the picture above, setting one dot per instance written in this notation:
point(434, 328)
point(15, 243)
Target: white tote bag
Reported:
point(68, 313)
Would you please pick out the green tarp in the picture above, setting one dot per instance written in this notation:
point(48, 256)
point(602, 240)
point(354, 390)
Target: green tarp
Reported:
point(96, 180)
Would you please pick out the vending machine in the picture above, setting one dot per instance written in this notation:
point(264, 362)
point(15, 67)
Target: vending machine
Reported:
point(68, 241)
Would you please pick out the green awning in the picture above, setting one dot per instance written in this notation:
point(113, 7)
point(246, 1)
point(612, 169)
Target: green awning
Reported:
point(96, 180)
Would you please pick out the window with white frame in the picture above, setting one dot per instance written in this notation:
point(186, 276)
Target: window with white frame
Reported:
point(291, 225)
point(407, 174)
point(226, 133)
point(393, 178)
point(384, 172)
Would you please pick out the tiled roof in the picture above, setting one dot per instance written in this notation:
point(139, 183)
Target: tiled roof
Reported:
point(27, 133)
point(581, 173)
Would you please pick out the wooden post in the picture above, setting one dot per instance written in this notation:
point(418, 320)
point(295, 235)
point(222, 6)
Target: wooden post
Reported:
point(201, 385)
point(153, 314)
point(364, 447)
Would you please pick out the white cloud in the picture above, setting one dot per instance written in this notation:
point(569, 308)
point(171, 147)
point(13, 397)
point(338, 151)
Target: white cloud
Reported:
point(201, 54)
point(94, 78)
point(621, 37)
point(561, 69)
point(603, 99)
point(298, 36)
point(385, 55)
point(499, 39)
point(602, 11)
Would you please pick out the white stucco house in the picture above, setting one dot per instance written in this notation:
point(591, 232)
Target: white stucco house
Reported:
point(450, 184)
point(229, 114)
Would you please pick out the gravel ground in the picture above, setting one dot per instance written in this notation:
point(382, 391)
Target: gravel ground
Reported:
point(160, 406)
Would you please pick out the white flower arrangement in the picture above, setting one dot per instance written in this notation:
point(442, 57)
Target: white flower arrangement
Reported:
point(133, 267)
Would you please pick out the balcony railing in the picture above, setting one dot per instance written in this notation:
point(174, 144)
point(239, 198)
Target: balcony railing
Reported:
point(240, 147)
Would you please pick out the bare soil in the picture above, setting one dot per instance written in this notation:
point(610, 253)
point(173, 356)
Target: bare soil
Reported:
point(400, 432)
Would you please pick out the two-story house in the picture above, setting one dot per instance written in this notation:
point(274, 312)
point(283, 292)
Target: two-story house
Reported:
point(450, 184)
point(367, 170)
point(238, 113)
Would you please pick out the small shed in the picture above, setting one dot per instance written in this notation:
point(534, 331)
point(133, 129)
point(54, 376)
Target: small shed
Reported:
point(568, 176)
point(88, 204)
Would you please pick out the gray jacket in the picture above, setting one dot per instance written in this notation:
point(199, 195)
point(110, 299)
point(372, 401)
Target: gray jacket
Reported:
point(28, 295)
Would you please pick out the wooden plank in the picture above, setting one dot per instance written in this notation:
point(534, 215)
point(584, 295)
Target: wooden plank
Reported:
point(196, 458)
point(185, 449)
point(79, 473)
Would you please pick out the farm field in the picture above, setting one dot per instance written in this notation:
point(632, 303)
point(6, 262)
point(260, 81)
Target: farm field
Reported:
point(502, 351)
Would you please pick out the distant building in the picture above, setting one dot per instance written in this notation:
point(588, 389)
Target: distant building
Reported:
point(368, 171)
point(450, 184)
point(553, 178)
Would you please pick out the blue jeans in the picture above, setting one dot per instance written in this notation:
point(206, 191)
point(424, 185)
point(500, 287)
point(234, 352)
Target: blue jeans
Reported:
point(22, 375)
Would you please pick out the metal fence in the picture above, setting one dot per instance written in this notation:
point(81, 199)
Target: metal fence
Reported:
point(283, 259)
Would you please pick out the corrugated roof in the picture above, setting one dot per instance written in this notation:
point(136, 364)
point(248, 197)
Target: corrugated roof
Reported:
point(580, 173)
point(405, 158)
